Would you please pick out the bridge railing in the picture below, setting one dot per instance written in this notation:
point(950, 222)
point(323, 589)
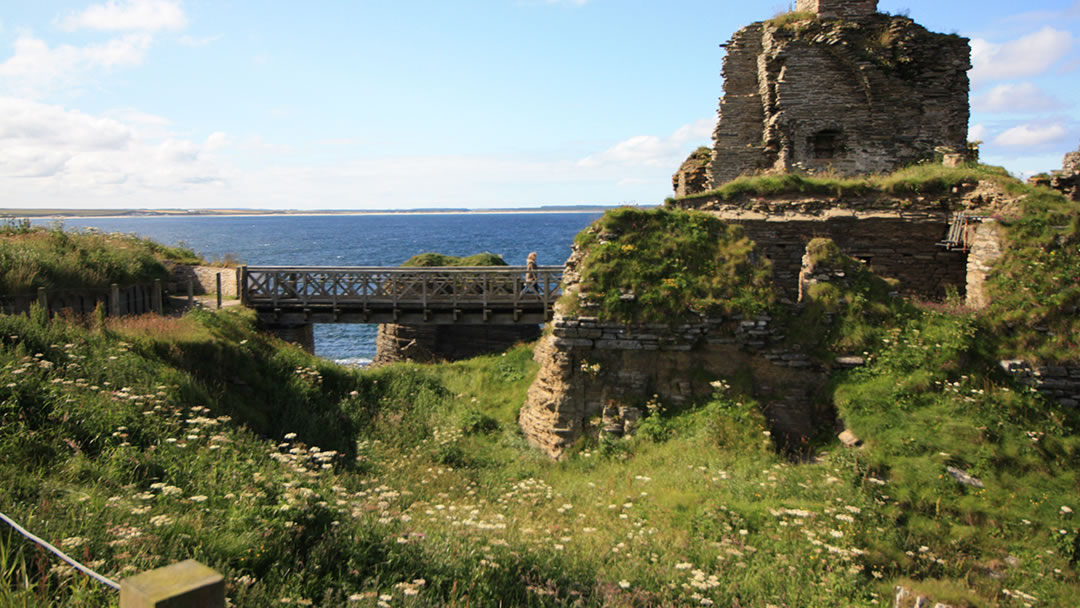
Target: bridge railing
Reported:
point(433, 287)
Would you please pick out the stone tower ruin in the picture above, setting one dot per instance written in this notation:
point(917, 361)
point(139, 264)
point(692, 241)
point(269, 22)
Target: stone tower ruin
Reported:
point(838, 86)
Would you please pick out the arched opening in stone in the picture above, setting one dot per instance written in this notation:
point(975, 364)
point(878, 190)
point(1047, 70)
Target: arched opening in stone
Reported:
point(826, 145)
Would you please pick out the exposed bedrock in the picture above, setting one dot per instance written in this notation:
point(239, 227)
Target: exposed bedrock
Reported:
point(426, 343)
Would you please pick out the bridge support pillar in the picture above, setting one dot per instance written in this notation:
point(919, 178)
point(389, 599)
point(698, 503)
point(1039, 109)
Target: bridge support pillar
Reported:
point(301, 335)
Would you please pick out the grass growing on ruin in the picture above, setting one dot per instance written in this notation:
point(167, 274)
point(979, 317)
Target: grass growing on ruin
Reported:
point(1035, 287)
point(847, 315)
point(917, 180)
point(666, 266)
point(57, 259)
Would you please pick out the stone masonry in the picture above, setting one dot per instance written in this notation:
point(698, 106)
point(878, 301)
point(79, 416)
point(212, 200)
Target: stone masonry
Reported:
point(605, 372)
point(430, 343)
point(853, 91)
point(1058, 382)
point(838, 9)
point(1066, 181)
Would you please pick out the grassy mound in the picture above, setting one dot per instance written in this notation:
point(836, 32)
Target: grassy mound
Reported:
point(665, 266)
point(437, 259)
point(57, 259)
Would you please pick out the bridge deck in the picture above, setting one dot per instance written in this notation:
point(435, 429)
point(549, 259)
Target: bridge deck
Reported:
point(442, 295)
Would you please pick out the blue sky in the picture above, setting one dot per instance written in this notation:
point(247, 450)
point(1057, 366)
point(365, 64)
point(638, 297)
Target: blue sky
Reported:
point(401, 104)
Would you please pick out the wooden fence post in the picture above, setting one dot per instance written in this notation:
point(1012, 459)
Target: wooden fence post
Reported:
point(187, 584)
point(190, 292)
point(114, 300)
point(43, 299)
point(157, 296)
point(241, 284)
point(219, 291)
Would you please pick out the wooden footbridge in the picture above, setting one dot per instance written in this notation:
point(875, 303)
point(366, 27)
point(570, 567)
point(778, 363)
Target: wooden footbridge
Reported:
point(299, 296)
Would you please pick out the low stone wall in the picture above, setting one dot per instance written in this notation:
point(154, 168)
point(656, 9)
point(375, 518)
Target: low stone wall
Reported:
point(426, 343)
point(1058, 382)
point(204, 279)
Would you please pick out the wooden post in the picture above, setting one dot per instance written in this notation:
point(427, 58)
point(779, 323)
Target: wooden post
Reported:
point(219, 291)
point(190, 292)
point(157, 296)
point(43, 299)
point(241, 284)
point(187, 584)
point(114, 300)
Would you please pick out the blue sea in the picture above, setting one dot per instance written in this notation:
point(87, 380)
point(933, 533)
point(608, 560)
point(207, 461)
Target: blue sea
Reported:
point(356, 240)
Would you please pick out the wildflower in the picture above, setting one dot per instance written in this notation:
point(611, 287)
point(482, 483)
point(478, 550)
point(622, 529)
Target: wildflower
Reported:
point(1066, 510)
point(161, 520)
point(198, 498)
point(625, 584)
point(73, 542)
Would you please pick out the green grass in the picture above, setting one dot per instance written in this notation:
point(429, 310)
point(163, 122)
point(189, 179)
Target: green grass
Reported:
point(1035, 287)
point(666, 266)
point(58, 259)
point(110, 439)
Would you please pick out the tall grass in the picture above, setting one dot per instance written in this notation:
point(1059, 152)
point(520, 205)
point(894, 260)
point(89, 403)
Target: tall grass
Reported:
point(57, 259)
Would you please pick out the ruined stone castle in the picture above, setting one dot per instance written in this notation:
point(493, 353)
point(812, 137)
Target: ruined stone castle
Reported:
point(836, 86)
point(833, 86)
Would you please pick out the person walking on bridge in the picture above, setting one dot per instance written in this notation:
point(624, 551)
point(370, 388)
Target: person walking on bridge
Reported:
point(530, 273)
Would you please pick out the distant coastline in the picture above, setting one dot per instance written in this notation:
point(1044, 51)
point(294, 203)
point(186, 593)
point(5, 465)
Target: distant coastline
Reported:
point(188, 213)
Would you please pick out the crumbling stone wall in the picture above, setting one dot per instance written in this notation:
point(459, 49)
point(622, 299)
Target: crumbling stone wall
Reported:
point(1066, 181)
point(985, 250)
point(693, 175)
point(854, 96)
point(1059, 382)
point(902, 247)
point(838, 9)
point(607, 372)
point(428, 343)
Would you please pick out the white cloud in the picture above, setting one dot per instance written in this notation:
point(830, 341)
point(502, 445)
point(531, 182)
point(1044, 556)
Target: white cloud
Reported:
point(35, 68)
point(1031, 135)
point(977, 132)
point(653, 151)
point(1022, 97)
point(142, 15)
point(1026, 56)
point(78, 154)
point(192, 41)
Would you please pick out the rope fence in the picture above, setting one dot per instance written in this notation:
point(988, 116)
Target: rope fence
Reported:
point(75, 564)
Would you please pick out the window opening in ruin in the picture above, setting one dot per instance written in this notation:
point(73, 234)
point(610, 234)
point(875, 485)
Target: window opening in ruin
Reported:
point(825, 145)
